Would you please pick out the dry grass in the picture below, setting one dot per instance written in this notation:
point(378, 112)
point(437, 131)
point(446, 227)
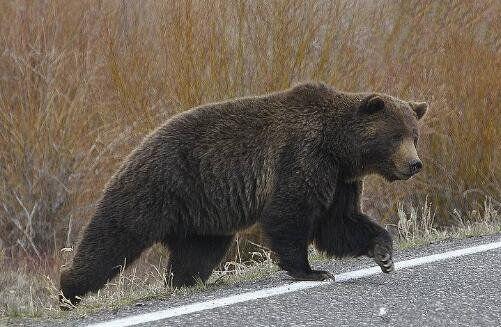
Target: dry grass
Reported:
point(417, 225)
point(81, 82)
point(30, 291)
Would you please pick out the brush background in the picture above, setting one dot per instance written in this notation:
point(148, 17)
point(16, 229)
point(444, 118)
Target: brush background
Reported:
point(82, 82)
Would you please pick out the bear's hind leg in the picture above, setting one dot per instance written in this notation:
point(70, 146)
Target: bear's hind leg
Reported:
point(194, 257)
point(104, 249)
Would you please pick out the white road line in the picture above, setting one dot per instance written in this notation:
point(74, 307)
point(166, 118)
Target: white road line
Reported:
point(293, 287)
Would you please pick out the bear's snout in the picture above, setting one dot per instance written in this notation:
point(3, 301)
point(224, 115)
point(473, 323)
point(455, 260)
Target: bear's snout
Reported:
point(406, 160)
point(415, 166)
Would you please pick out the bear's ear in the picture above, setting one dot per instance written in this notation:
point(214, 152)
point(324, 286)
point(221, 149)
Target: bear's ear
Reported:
point(419, 108)
point(373, 103)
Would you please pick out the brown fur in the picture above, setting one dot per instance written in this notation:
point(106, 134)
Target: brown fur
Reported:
point(292, 161)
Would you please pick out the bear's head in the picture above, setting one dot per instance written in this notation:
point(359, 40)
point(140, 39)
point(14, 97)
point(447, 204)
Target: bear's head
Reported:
point(388, 136)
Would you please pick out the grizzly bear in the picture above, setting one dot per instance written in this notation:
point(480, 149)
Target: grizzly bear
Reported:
point(291, 161)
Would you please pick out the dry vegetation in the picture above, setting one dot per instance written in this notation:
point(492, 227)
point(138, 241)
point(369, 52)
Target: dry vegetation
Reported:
point(81, 82)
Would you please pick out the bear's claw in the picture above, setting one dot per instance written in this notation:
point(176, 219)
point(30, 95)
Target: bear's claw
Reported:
point(318, 275)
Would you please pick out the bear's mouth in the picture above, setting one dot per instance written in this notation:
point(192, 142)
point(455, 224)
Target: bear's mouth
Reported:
point(403, 176)
point(397, 176)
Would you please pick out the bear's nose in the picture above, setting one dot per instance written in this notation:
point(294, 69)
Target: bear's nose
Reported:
point(415, 166)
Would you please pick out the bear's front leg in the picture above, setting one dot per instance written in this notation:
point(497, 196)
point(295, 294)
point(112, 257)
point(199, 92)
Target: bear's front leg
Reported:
point(287, 230)
point(292, 253)
point(344, 231)
point(374, 238)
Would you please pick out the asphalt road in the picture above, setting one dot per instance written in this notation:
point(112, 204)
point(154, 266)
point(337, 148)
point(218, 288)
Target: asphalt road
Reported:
point(461, 291)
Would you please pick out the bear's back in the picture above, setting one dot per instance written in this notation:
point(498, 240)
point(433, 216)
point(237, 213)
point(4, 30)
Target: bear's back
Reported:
point(208, 165)
point(216, 166)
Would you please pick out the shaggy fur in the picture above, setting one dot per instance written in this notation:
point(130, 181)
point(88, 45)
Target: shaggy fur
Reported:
point(292, 161)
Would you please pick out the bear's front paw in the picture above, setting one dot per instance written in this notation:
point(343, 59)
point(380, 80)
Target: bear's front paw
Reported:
point(382, 252)
point(318, 275)
point(384, 260)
